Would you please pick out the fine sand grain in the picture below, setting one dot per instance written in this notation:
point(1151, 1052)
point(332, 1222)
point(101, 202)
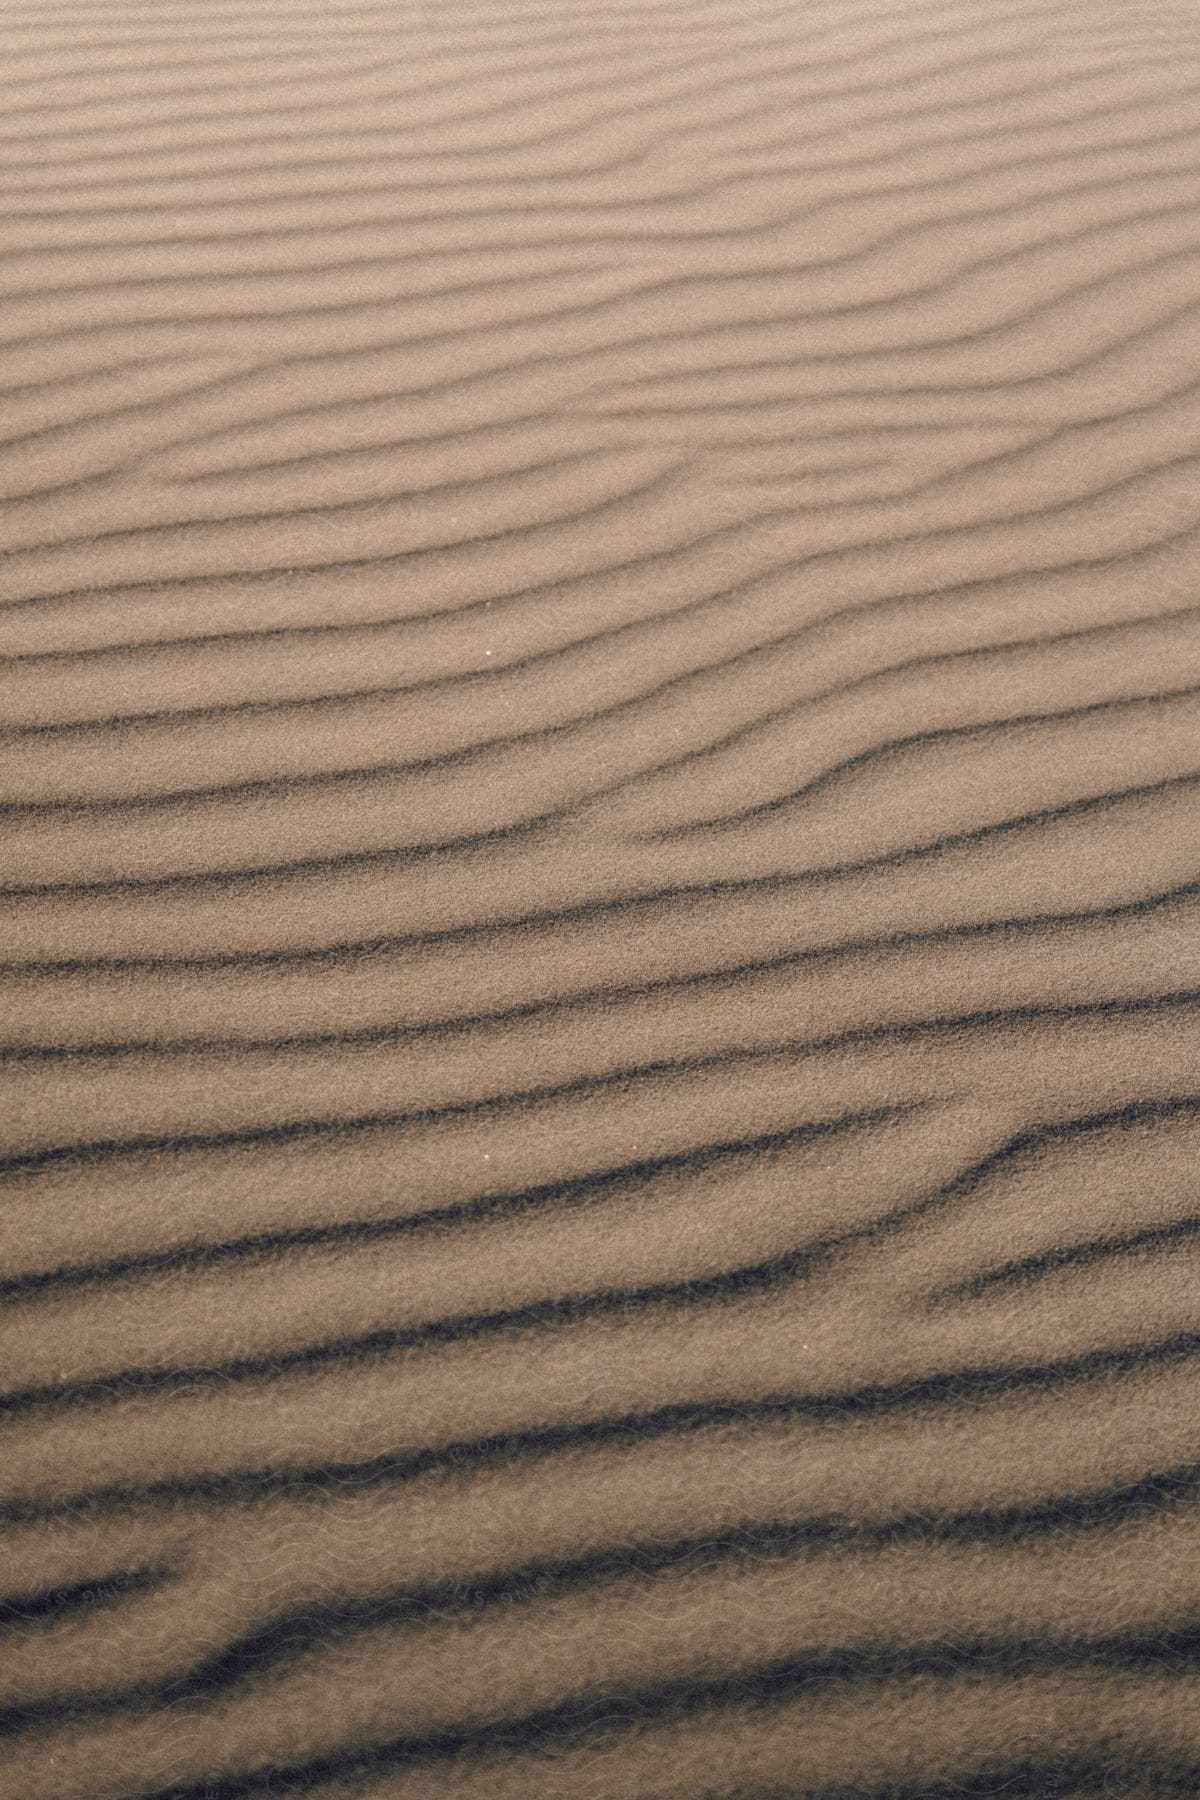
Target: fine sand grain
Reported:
point(600, 847)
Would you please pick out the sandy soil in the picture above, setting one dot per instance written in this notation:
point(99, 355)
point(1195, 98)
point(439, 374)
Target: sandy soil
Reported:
point(600, 847)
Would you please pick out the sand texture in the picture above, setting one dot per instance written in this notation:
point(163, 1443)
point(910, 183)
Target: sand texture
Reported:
point(600, 865)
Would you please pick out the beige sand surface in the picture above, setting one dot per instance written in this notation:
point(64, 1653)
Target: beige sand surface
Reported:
point(600, 864)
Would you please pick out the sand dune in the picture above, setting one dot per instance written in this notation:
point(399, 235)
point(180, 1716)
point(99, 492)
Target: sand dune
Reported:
point(600, 979)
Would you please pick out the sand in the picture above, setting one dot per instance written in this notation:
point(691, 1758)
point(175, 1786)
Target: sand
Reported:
point(600, 864)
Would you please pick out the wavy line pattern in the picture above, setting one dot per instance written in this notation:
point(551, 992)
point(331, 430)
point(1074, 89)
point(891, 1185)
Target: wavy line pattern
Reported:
point(600, 862)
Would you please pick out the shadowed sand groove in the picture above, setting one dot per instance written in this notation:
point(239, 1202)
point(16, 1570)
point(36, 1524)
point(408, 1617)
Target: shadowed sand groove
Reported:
point(600, 871)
